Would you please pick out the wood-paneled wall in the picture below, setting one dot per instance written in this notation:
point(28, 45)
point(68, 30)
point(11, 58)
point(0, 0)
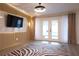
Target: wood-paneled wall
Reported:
point(9, 39)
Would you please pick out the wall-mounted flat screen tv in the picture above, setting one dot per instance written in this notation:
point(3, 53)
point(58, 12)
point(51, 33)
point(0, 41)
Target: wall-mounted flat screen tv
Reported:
point(14, 21)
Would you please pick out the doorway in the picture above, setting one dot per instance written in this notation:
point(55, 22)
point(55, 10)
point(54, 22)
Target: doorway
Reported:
point(50, 29)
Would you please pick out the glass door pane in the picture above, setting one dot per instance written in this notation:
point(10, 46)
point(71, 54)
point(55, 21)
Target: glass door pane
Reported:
point(54, 29)
point(45, 29)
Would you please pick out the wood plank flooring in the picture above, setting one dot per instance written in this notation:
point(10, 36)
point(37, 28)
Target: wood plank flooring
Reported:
point(44, 48)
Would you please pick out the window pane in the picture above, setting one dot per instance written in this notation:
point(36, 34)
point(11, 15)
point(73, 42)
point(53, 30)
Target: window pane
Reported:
point(45, 29)
point(54, 29)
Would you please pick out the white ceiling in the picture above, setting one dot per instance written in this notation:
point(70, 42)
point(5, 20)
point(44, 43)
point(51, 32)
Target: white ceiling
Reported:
point(51, 8)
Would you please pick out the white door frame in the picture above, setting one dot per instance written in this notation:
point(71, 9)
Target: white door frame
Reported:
point(49, 29)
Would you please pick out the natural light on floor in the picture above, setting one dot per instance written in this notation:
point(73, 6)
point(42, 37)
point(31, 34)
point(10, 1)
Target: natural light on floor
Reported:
point(46, 42)
point(53, 43)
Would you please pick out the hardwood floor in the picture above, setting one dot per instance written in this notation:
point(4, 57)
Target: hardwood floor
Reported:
point(44, 48)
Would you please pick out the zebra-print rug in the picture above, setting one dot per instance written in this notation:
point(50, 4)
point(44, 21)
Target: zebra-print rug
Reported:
point(39, 50)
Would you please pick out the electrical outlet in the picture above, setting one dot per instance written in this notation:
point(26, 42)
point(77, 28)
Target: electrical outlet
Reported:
point(16, 38)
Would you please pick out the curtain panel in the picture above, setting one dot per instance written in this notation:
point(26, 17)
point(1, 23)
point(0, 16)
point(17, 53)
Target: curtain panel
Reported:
point(72, 28)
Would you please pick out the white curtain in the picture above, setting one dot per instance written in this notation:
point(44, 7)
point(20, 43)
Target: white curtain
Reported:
point(38, 29)
point(63, 28)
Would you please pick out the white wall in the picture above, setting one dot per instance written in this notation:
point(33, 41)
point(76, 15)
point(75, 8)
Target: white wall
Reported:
point(4, 29)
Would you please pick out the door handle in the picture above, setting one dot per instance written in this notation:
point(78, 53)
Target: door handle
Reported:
point(47, 31)
point(50, 30)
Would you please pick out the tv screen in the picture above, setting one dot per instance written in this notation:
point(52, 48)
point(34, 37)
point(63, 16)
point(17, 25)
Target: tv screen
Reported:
point(14, 21)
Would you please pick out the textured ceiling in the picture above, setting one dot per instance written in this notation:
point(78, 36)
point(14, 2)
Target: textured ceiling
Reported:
point(51, 8)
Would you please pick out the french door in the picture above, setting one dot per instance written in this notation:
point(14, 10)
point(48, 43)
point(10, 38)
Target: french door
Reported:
point(50, 30)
